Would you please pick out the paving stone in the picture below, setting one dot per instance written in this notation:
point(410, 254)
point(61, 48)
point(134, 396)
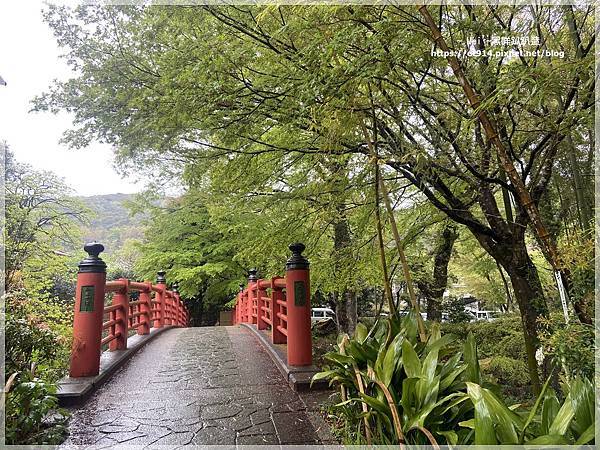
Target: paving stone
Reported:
point(195, 386)
point(231, 423)
point(174, 439)
point(105, 442)
point(294, 428)
point(180, 426)
point(220, 411)
point(260, 416)
point(153, 432)
point(265, 439)
point(214, 436)
point(295, 405)
point(126, 436)
point(263, 428)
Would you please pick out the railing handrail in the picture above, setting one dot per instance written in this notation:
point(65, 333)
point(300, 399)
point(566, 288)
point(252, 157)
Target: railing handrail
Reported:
point(285, 309)
point(165, 309)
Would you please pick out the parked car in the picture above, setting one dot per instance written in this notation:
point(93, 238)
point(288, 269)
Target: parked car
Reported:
point(488, 316)
point(321, 314)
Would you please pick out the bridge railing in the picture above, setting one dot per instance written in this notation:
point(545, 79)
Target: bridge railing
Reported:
point(93, 318)
point(281, 305)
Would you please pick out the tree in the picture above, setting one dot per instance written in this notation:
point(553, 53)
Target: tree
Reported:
point(41, 218)
point(294, 84)
point(433, 285)
point(181, 240)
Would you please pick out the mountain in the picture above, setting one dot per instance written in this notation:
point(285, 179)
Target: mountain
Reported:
point(110, 223)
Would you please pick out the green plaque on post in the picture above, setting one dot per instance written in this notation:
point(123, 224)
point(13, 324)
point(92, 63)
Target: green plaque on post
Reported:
point(87, 299)
point(299, 293)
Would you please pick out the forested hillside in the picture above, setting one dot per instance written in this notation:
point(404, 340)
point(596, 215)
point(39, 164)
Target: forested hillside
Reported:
point(110, 221)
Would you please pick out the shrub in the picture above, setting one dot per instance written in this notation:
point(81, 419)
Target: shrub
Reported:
point(502, 337)
point(570, 346)
point(456, 311)
point(547, 423)
point(36, 337)
point(36, 357)
point(395, 389)
point(511, 375)
point(32, 413)
point(512, 346)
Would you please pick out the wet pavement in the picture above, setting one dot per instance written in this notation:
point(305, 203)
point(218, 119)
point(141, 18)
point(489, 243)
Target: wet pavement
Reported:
point(198, 386)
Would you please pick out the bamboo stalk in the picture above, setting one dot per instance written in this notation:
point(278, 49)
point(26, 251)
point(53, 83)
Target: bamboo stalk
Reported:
point(343, 352)
point(379, 184)
point(405, 268)
point(386, 281)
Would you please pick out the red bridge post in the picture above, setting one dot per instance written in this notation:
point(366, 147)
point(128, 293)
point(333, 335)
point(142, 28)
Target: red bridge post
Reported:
point(239, 306)
point(299, 340)
point(177, 303)
point(243, 304)
point(145, 308)
point(161, 285)
point(276, 296)
point(89, 312)
point(121, 298)
point(252, 279)
point(260, 304)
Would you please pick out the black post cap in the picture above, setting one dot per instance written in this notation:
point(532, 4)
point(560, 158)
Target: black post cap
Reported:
point(241, 287)
point(175, 287)
point(252, 275)
point(297, 261)
point(93, 263)
point(160, 278)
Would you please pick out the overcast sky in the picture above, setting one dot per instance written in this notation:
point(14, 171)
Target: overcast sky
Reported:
point(28, 63)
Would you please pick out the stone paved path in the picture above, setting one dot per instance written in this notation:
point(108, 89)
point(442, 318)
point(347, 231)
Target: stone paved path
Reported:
point(195, 386)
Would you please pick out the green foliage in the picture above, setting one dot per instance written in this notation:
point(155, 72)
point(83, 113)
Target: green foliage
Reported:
point(426, 382)
point(112, 224)
point(578, 254)
point(510, 374)
point(40, 229)
point(40, 218)
point(503, 336)
point(37, 331)
point(500, 343)
point(36, 356)
point(547, 423)
point(456, 311)
point(439, 390)
point(570, 346)
point(32, 413)
point(181, 239)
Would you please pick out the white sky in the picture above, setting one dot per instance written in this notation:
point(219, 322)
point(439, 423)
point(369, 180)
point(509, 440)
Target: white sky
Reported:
point(28, 63)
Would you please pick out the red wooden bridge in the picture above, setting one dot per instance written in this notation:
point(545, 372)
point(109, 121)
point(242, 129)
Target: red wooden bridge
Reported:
point(160, 382)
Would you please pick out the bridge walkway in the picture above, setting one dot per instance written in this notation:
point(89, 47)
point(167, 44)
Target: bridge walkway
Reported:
point(198, 386)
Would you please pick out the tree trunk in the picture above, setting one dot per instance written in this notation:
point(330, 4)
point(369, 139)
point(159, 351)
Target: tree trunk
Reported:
point(584, 207)
point(529, 295)
point(506, 288)
point(442, 256)
point(346, 310)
